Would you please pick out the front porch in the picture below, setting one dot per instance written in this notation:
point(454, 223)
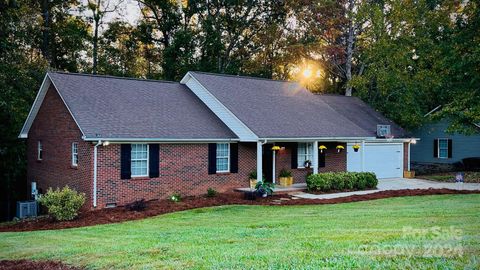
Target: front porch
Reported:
point(300, 158)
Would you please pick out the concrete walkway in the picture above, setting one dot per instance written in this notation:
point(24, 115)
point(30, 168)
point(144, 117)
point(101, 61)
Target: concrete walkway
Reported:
point(394, 184)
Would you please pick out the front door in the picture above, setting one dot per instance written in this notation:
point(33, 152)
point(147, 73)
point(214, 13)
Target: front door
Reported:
point(267, 164)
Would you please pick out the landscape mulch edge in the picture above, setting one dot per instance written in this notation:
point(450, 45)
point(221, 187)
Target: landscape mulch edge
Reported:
point(159, 207)
point(34, 265)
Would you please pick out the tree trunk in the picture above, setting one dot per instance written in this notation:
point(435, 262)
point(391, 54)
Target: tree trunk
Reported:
point(46, 30)
point(350, 41)
point(95, 46)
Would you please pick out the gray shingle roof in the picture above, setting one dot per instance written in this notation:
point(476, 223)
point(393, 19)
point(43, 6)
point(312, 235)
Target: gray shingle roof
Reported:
point(361, 114)
point(280, 109)
point(113, 107)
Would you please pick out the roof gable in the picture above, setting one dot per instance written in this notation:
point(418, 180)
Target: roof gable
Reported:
point(47, 82)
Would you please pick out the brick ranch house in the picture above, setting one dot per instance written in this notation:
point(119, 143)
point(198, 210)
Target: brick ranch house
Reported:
point(121, 139)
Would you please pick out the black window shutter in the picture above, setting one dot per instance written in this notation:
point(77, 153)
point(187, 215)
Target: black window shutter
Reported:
point(212, 158)
point(435, 148)
point(294, 155)
point(321, 159)
point(450, 148)
point(153, 161)
point(125, 160)
point(234, 157)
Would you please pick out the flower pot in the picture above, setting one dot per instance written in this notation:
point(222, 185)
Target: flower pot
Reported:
point(355, 149)
point(253, 183)
point(409, 174)
point(290, 180)
point(284, 181)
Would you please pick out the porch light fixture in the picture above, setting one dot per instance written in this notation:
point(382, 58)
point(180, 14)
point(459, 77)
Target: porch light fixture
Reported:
point(106, 143)
point(340, 148)
point(322, 147)
point(413, 141)
point(356, 147)
point(276, 148)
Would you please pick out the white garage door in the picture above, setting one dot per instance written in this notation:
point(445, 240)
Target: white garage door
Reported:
point(384, 159)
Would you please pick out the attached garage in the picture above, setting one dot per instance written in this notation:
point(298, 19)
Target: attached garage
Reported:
point(384, 159)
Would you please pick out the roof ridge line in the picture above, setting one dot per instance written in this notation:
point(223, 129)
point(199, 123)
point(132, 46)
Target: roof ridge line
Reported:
point(110, 77)
point(242, 76)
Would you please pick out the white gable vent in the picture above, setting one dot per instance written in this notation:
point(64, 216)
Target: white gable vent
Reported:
point(383, 131)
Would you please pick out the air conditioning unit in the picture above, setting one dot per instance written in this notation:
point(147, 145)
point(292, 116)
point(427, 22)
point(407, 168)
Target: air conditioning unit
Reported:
point(383, 131)
point(26, 209)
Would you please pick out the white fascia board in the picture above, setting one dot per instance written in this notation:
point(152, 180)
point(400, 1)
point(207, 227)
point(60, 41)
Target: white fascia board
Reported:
point(47, 81)
point(223, 113)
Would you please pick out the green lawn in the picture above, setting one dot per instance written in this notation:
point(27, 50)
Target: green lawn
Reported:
point(429, 232)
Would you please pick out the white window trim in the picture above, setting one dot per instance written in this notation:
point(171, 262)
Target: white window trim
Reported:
point(74, 154)
point(148, 161)
point(39, 150)
point(438, 148)
point(308, 154)
point(228, 159)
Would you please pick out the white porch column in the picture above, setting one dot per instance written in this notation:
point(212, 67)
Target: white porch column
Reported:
point(273, 166)
point(362, 153)
point(408, 165)
point(259, 161)
point(315, 157)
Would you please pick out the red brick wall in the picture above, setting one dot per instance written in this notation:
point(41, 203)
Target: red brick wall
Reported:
point(183, 169)
point(56, 129)
point(334, 162)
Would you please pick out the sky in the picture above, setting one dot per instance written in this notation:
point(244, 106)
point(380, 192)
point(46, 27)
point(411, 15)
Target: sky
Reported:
point(129, 11)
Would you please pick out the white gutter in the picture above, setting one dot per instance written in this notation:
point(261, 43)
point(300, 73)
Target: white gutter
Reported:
point(95, 173)
point(167, 140)
point(320, 139)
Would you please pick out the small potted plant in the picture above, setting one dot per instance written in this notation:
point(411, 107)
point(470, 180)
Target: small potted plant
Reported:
point(340, 148)
point(253, 179)
point(322, 148)
point(285, 178)
point(356, 147)
point(264, 188)
point(307, 163)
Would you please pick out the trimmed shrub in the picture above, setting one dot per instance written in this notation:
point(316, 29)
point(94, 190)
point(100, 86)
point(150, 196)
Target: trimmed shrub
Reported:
point(211, 192)
point(341, 181)
point(62, 204)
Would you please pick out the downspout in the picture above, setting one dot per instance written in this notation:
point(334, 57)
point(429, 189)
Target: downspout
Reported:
point(95, 173)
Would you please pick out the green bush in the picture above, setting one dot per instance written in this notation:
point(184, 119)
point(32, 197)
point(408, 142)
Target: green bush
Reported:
point(63, 204)
point(176, 197)
point(341, 181)
point(211, 192)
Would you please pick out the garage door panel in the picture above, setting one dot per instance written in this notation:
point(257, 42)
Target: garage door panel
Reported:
point(385, 160)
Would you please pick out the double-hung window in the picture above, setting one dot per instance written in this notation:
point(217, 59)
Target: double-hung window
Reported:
point(442, 148)
point(139, 160)
point(74, 154)
point(39, 150)
point(305, 152)
point(223, 157)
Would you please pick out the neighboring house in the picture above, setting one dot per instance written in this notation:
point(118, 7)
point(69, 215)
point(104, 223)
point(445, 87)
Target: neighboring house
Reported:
point(120, 139)
point(438, 150)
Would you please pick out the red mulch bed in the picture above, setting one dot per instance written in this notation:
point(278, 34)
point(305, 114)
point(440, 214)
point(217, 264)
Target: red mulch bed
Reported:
point(34, 265)
point(158, 207)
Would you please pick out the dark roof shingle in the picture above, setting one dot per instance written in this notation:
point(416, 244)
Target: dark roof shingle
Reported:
point(280, 109)
point(113, 107)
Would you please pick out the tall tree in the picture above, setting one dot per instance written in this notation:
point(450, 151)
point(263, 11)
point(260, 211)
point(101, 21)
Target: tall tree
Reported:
point(21, 70)
point(99, 9)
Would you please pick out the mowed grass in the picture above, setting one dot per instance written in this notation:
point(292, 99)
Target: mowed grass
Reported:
point(425, 232)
